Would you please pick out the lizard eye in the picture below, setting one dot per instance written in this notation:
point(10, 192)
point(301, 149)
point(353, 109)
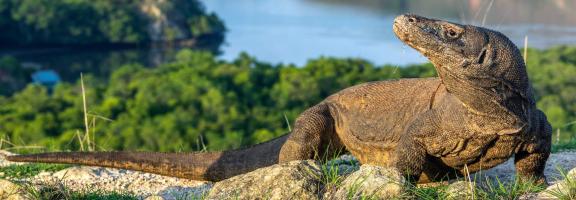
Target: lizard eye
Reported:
point(452, 34)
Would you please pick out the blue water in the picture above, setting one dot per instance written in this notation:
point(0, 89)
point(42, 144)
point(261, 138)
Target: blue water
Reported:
point(293, 31)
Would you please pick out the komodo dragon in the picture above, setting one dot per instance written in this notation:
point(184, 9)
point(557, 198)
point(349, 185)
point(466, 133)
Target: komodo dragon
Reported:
point(476, 115)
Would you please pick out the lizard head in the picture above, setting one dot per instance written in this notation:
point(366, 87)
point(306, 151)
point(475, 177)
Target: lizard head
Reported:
point(482, 67)
point(478, 56)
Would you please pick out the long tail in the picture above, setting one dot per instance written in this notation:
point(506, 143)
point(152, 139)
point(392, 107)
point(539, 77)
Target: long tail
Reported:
point(211, 166)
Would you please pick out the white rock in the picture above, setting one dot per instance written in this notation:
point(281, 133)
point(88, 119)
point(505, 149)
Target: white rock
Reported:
point(123, 181)
point(154, 197)
point(10, 191)
point(76, 173)
point(292, 180)
point(372, 182)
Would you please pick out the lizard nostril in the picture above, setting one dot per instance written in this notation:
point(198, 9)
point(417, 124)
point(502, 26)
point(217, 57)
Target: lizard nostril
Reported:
point(411, 19)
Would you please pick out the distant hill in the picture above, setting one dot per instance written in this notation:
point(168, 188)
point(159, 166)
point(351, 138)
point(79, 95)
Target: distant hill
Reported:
point(108, 22)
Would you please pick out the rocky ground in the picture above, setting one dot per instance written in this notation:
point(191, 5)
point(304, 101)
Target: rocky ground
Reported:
point(344, 179)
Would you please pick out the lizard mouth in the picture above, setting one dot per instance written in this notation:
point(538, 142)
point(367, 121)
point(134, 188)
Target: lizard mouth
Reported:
point(401, 33)
point(407, 29)
point(421, 34)
point(405, 36)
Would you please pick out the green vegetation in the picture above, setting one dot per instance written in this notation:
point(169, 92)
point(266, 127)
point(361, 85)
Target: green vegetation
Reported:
point(100, 195)
point(86, 22)
point(513, 190)
point(29, 170)
point(489, 190)
point(198, 100)
point(61, 192)
point(565, 145)
point(427, 193)
point(180, 106)
point(12, 76)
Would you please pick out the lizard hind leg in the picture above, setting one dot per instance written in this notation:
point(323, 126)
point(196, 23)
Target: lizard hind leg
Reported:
point(313, 136)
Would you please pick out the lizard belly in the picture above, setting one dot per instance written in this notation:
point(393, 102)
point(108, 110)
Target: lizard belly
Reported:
point(378, 151)
point(482, 152)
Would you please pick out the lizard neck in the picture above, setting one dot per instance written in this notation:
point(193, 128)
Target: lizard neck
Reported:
point(490, 111)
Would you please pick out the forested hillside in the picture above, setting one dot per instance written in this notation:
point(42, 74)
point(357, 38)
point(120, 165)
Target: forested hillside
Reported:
point(104, 22)
point(200, 100)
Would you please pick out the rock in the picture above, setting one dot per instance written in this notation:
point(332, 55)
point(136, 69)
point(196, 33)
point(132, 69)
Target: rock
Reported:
point(123, 181)
point(75, 173)
point(162, 21)
point(179, 192)
point(565, 188)
point(529, 196)
point(171, 20)
point(347, 158)
point(154, 197)
point(373, 182)
point(344, 170)
point(10, 191)
point(460, 190)
point(292, 180)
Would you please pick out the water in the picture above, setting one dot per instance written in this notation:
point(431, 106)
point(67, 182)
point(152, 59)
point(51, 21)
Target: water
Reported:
point(294, 31)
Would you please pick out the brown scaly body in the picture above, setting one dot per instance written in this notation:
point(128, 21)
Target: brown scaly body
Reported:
point(476, 115)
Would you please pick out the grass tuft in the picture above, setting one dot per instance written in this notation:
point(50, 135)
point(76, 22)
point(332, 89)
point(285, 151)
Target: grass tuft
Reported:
point(497, 189)
point(427, 193)
point(330, 174)
point(58, 191)
point(568, 145)
point(29, 170)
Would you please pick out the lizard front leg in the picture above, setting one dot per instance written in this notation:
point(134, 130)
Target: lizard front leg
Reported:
point(530, 166)
point(531, 160)
point(411, 157)
point(411, 150)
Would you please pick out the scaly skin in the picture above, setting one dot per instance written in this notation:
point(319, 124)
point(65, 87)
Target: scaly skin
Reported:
point(476, 115)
